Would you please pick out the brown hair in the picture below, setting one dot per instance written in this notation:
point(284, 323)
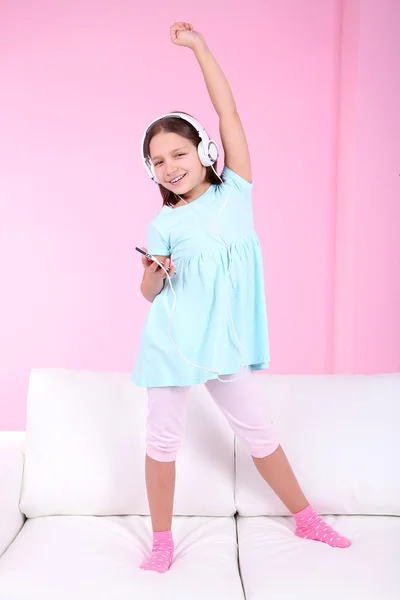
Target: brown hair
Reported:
point(186, 130)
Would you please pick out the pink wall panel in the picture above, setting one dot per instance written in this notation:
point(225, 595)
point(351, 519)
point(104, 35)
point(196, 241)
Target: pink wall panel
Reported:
point(80, 83)
point(367, 273)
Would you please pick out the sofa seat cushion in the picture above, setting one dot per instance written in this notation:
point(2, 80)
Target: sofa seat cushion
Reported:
point(277, 565)
point(82, 557)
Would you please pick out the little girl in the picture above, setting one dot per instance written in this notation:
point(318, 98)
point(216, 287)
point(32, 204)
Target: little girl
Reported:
point(218, 333)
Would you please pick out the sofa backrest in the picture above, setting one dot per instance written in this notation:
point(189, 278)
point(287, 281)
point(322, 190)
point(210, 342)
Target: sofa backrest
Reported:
point(85, 449)
point(341, 435)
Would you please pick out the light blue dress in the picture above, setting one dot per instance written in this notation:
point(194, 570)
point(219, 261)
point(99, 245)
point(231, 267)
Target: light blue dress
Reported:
point(201, 324)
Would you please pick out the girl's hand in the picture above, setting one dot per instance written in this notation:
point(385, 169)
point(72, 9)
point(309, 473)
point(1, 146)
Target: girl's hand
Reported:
point(154, 270)
point(182, 34)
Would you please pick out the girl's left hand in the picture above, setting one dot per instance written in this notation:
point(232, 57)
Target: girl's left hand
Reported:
point(182, 34)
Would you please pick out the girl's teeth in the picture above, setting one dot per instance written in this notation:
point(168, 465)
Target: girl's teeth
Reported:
point(177, 179)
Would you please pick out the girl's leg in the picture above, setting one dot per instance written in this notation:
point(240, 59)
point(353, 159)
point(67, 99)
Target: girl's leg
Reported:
point(245, 411)
point(164, 432)
point(244, 408)
point(160, 484)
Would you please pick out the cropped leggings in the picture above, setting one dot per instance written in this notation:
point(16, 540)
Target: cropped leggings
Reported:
point(239, 401)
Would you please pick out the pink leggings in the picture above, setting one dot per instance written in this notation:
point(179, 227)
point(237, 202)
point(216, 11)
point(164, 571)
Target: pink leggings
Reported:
point(239, 401)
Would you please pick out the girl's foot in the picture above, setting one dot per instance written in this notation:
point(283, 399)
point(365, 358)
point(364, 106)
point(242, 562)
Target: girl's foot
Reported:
point(311, 526)
point(162, 553)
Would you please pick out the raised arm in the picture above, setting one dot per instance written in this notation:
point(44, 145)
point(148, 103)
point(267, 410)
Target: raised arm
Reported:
point(237, 156)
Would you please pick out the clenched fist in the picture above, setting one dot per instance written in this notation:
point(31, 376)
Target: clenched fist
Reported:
point(183, 34)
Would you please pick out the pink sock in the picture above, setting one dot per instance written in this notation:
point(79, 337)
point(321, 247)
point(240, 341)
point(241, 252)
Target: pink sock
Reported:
point(310, 525)
point(162, 553)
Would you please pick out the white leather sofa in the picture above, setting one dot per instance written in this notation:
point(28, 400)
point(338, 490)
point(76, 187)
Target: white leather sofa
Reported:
point(73, 510)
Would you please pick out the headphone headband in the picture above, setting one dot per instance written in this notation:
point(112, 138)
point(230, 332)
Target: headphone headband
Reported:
point(207, 149)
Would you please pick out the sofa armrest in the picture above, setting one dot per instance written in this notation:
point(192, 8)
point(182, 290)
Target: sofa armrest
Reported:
point(12, 444)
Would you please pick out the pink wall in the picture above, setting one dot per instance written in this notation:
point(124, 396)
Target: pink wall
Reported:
point(318, 92)
point(367, 273)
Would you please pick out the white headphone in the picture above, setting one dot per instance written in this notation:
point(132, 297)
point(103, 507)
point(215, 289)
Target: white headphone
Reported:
point(208, 153)
point(207, 149)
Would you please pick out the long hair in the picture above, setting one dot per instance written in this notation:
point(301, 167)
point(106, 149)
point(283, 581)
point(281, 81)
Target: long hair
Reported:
point(186, 130)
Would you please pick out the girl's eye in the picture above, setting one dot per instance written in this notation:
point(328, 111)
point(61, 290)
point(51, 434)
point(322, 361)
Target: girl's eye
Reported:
point(156, 164)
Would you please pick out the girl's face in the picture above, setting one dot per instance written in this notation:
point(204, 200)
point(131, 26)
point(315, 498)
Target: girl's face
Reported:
point(176, 162)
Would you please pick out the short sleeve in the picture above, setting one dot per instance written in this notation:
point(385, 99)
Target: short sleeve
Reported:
point(232, 179)
point(156, 242)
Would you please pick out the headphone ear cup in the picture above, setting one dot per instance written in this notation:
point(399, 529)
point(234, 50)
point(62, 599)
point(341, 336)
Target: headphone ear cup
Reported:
point(152, 174)
point(213, 151)
point(201, 153)
point(208, 153)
